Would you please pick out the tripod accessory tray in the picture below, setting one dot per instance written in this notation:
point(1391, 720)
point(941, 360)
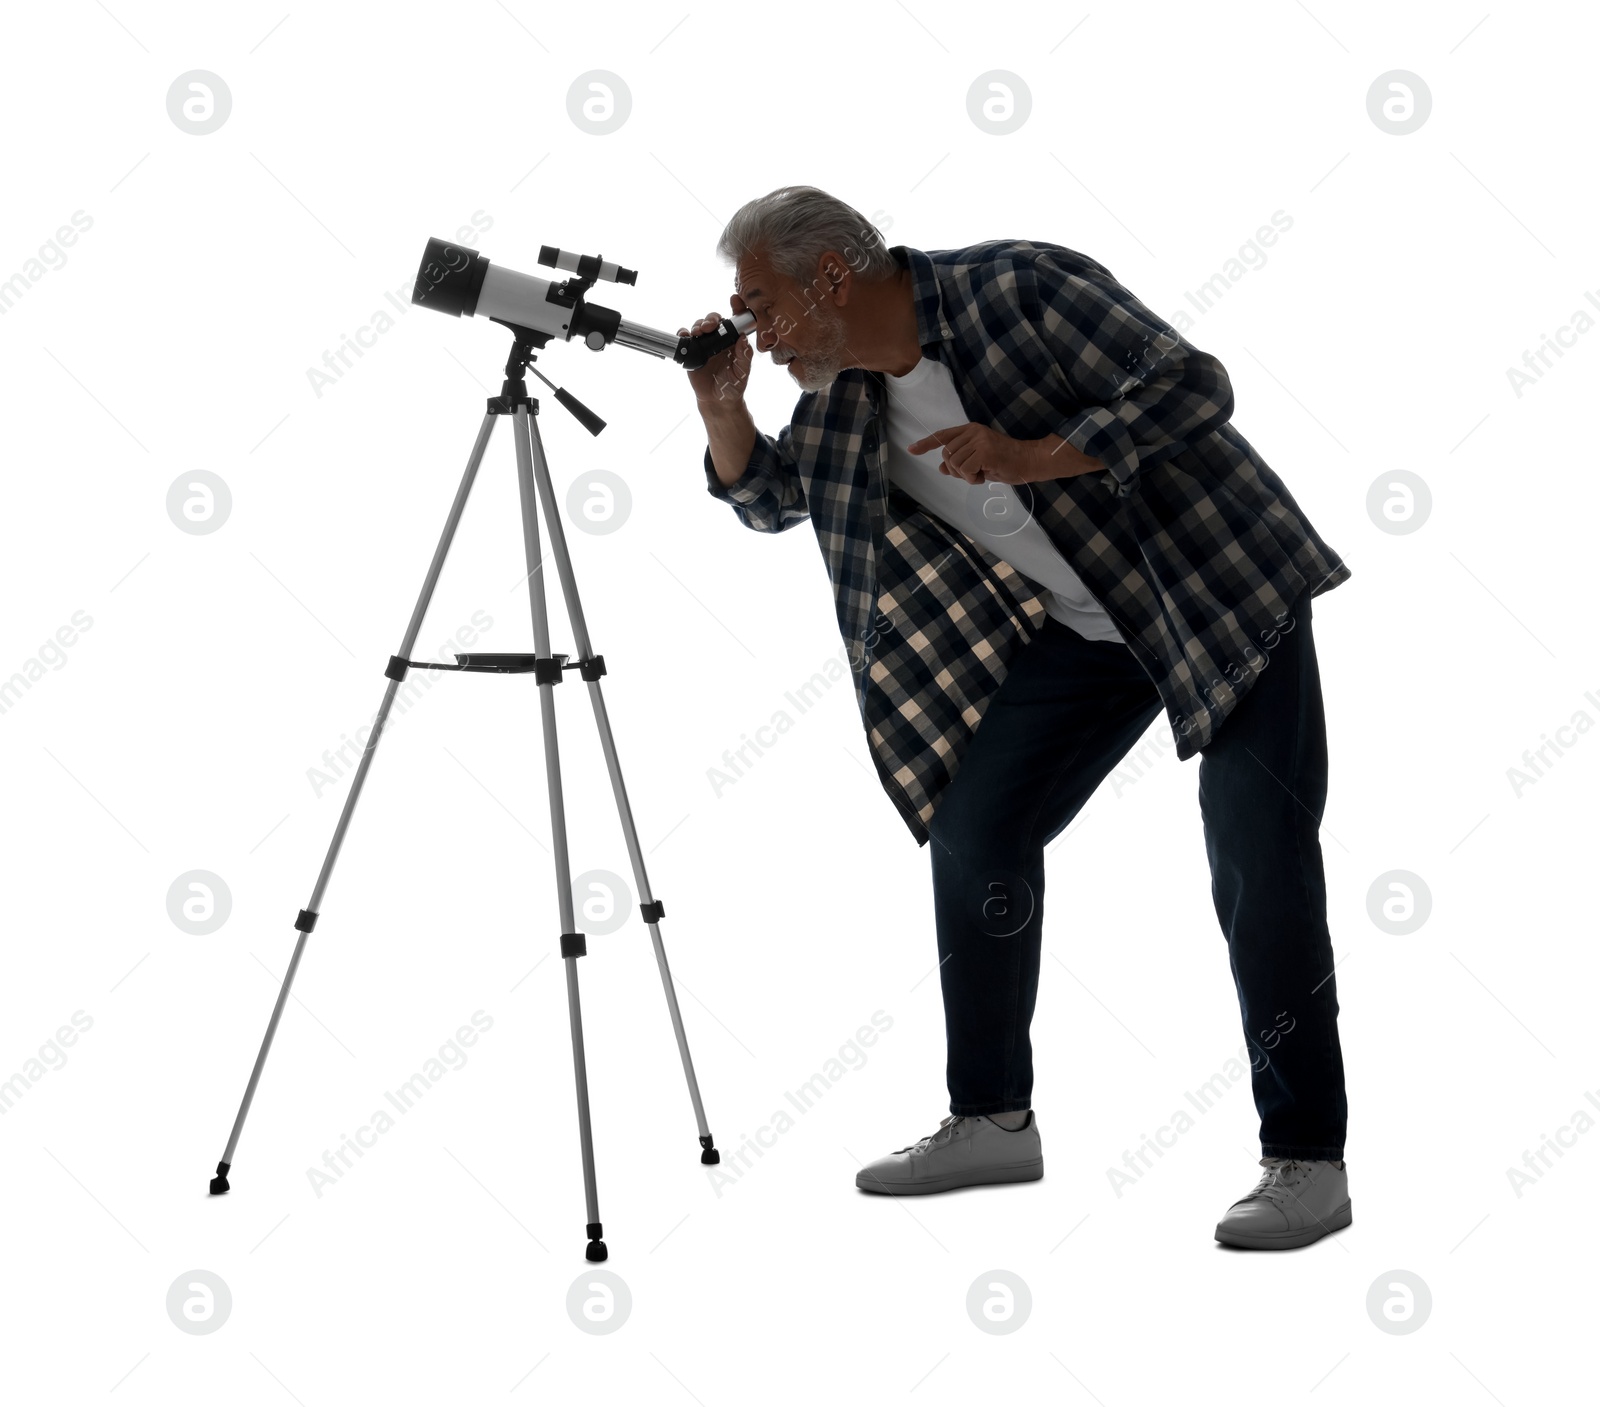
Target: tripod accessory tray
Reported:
point(547, 669)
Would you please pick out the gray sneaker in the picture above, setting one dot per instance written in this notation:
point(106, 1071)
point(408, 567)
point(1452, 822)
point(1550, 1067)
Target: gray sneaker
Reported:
point(964, 1151)
point(1294, 1204)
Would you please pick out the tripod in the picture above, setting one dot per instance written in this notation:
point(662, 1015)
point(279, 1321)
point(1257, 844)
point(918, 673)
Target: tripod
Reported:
point(514, 401)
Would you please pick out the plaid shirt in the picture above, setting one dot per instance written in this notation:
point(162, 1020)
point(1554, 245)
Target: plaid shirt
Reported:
point(1188, 539)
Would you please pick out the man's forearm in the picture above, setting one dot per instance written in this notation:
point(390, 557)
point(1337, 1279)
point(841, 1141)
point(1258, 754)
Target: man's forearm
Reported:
point(731, 434)
point(1054, 458)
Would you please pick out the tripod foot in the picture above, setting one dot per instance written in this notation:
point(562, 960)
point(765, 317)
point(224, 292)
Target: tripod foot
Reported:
point(596, 1249)
point(708, 1154)
point(219, 1184)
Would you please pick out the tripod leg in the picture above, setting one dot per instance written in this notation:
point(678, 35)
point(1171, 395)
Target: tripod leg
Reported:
point(308, 916)
point(572, 943)
point(651, 908)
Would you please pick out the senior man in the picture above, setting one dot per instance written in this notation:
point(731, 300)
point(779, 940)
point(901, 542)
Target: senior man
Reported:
point(1042, 532)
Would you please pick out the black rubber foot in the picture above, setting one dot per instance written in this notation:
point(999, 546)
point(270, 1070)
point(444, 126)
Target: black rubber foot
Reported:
point(710, 1155)
point(596, 1250)
point(219, 1184)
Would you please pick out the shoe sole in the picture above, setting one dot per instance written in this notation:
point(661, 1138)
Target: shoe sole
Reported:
point(1015, 1172)
point(1289, 1239)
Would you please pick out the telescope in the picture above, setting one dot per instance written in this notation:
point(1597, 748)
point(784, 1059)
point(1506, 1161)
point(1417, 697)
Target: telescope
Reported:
point(459, 281)
point(463, 283)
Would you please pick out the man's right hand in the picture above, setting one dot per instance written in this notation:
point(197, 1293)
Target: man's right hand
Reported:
point(719, 384)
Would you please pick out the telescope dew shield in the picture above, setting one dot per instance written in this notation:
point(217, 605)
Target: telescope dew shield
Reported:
point(449, 279)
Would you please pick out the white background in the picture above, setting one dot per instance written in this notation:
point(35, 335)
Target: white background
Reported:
point(177, 732)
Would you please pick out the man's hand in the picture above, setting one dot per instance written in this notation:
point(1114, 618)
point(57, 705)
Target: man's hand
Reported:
point(982, 455)
point(720, 384)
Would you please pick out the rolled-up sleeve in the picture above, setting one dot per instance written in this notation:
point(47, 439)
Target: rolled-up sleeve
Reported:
point(768, 496)
point(1146, 393)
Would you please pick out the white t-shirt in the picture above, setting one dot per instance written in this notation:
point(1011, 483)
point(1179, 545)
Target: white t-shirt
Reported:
point(925, 400)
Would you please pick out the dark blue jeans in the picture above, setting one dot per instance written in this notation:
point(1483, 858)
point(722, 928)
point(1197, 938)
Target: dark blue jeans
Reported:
point(1067, 712)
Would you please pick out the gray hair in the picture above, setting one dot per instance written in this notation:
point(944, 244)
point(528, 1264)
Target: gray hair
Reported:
point(794, 226)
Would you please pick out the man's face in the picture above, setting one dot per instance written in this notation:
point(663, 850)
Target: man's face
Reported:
point(804, 333)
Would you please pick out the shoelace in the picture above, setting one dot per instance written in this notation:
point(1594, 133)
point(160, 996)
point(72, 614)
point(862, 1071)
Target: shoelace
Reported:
point(1279, 1179)
point(946, 1130)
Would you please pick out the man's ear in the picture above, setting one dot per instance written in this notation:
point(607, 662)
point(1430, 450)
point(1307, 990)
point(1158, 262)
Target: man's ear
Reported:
point(839, 277)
